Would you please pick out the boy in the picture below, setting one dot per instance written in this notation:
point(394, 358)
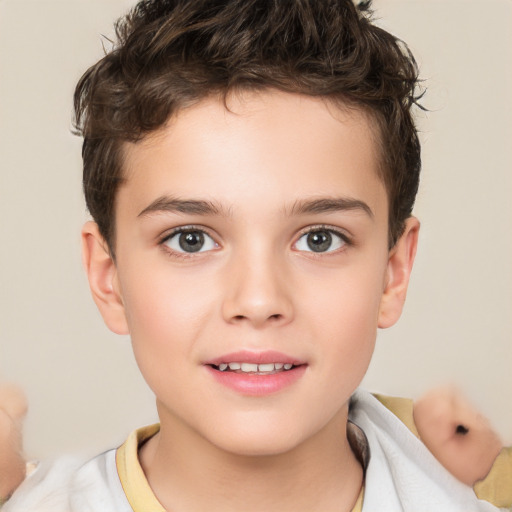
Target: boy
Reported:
point(251, 171)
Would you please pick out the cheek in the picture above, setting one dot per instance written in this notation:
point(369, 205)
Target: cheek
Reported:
point(348, 300)
point(166, 313)
point(346, 317)
point(160, 295)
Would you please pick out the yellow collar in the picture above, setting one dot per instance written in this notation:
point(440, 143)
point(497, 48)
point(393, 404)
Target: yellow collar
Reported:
point(134, 482)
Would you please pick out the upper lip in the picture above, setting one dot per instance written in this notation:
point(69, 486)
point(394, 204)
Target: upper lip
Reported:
point(245, 356)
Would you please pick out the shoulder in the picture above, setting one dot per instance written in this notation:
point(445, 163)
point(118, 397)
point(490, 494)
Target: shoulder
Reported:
point(402, 473)
point(402, 408)
point(497, 486)
point(71, 485)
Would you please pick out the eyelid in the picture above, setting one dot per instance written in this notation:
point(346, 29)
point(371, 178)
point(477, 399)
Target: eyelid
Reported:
point(184, 229)
point(343, 233)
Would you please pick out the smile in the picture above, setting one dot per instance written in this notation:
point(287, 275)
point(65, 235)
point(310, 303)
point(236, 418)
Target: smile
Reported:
point(255, 369)
point(256, 373)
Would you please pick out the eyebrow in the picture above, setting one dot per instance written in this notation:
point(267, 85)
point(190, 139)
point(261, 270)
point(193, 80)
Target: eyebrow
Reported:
point(302, 207)
point(175, 205)
point(330, 205)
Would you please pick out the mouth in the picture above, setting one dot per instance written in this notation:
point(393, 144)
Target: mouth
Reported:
point(253, 368)
point(256, 374)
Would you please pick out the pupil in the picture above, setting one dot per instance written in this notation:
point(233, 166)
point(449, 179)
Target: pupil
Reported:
point(319, 241)
point(191, 242)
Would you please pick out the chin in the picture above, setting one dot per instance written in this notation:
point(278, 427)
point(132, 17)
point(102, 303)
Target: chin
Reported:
point(263, 438)
point(258, 446)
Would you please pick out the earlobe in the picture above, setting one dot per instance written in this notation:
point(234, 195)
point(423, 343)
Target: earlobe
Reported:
point(400, 262)
point(102, 275)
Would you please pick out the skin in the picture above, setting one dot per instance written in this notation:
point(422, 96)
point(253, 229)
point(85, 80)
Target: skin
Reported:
point(468, 452)
point(13, 407)
point(257, 286)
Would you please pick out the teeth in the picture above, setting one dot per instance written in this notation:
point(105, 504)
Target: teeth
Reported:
point(249, 367)
point(255, 368)
point(266, 367)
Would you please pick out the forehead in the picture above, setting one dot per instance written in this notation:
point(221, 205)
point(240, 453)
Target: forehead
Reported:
point(268, 144)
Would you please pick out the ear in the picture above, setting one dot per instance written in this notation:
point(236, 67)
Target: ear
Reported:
point(401, 259)
point(103, 279)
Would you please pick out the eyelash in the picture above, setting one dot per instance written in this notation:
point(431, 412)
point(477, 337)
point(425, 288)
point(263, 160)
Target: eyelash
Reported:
point(182, 230)
point(347, 241)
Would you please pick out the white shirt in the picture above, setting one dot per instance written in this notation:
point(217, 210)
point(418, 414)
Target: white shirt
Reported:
point(401, 475)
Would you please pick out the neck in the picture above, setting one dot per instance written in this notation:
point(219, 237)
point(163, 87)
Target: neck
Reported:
point(187, 472)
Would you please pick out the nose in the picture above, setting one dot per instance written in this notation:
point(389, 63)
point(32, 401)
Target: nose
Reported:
point(257, 292)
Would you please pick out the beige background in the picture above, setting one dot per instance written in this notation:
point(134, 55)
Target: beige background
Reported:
point(84, 389)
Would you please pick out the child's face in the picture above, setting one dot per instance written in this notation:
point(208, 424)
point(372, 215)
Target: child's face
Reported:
point(258, 234)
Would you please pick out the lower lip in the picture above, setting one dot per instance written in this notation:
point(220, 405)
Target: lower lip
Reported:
point(258, 385)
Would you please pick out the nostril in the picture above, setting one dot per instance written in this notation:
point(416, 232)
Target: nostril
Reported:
point(274, 317)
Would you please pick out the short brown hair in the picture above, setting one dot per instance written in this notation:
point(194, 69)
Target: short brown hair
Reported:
point(172, 53)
